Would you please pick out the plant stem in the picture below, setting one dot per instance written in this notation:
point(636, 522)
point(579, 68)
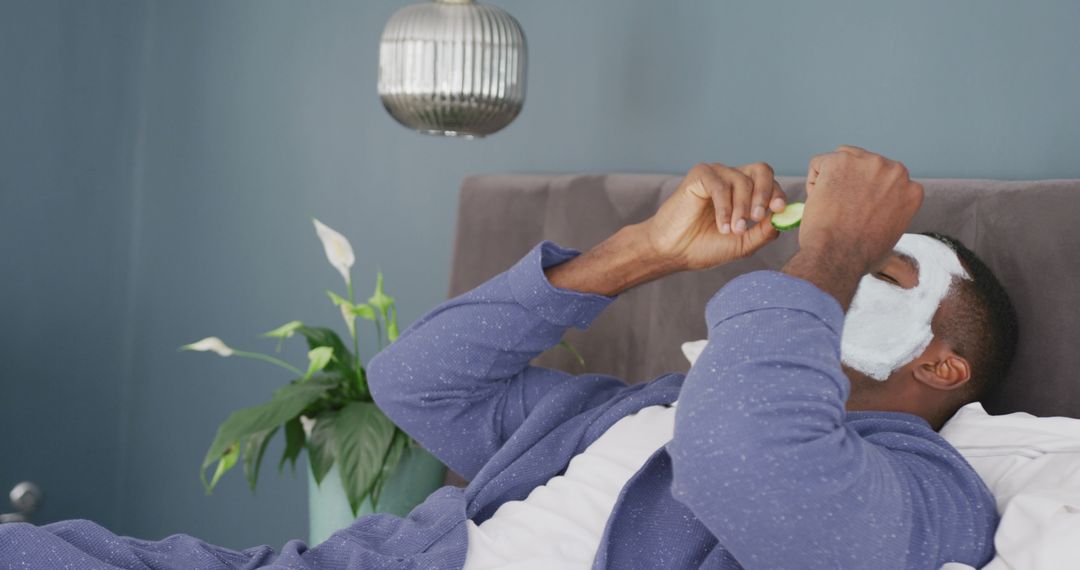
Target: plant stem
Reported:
point(270, 359)
point(355, 337)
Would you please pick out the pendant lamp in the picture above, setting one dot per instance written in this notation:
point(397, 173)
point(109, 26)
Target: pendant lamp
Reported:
point(452, 68)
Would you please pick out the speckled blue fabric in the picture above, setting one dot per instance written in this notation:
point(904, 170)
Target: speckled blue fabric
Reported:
point(767, 459)
point(765, 471)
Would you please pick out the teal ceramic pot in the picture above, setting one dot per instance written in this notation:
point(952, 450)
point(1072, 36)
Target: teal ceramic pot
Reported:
point(414, 478)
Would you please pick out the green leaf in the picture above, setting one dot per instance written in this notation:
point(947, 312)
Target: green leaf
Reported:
point(393, 456)
point(254, 449)
point(319, 336)
point(294, 442)
point(318, 358)
point(391, 324)
point(284, 331)
point(364, 311)
point(320, 446)
point(338, 299)
point(287, 403)
point(379, 299)
point(362, 435)
point(573, 351)
point(226, 462)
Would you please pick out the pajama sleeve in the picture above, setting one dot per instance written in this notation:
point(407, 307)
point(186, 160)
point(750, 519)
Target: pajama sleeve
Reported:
point(459, 379)
point(763, 456)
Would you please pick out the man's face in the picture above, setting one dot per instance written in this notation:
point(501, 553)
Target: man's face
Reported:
point(888, 324)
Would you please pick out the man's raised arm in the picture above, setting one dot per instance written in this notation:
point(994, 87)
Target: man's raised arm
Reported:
point(761, 453)
point(459, 381)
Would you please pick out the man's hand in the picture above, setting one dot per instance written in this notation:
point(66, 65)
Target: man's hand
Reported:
point(858, 205)
point(705, 223)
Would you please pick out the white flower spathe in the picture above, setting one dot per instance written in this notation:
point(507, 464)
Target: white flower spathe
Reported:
point(210, 344)
point(308, 424)
point(338, 250)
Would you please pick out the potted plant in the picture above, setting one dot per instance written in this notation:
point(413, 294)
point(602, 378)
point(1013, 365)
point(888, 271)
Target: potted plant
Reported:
point(360, 461)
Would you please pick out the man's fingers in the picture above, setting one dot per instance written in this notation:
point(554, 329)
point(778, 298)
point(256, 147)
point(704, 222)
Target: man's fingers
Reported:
point(778, 199)
point(742, 191)
point(716, 189)
point(737, 194)
point(697, 188)
point(763, 178)
point(917, 194)
point(721, 197)
point(814, 170)
point(855, 150)
point(757, 236)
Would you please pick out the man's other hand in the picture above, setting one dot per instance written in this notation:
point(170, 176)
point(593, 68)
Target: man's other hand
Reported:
point(707, 221)
point(859, 202)
point(858, 205)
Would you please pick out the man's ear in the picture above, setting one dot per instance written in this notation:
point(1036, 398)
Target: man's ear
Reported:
point(939, 367)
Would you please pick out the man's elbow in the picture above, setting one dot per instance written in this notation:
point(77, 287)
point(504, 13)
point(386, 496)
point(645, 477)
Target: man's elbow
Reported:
point(710, 486)
point(686, 477)
point(706, 470)
point(733, 486)
point(386, 374)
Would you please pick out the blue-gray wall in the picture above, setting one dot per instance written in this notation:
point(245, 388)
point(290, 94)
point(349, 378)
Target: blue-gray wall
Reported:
point(177, 205)
point(69, 100)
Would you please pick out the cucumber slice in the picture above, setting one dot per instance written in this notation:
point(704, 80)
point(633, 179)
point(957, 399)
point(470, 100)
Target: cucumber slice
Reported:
point(788, 219)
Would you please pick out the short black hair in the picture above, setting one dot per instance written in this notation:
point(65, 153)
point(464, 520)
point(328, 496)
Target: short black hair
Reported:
point(983, 328)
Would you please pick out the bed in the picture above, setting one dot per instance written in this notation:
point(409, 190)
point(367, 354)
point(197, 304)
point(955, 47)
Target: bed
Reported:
point(1025, 231)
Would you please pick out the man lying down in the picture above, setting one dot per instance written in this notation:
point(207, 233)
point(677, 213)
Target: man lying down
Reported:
point(803, 437)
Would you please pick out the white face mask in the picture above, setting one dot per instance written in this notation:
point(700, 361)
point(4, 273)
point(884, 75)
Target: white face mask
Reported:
point(888, 326)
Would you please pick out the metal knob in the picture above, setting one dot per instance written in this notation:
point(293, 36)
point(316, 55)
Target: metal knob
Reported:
point(26, 497)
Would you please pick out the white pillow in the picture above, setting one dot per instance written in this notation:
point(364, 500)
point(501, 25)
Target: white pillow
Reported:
point(1032, 466)
point(692, 350)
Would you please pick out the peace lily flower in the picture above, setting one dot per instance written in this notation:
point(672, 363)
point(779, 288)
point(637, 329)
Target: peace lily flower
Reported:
point(308, 424)
point(210, 344)
point(338, 250)
point(215, 345)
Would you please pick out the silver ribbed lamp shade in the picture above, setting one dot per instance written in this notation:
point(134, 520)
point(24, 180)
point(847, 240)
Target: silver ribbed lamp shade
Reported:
point(452, 67)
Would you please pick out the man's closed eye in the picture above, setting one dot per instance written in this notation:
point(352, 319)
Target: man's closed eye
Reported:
point(886, 277)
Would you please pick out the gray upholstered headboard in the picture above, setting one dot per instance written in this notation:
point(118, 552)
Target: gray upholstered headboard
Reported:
point(1027, 232)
